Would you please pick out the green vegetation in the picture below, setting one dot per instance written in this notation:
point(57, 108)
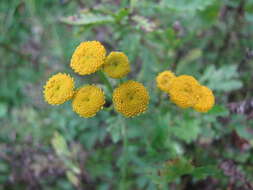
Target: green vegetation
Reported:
point(46, 147)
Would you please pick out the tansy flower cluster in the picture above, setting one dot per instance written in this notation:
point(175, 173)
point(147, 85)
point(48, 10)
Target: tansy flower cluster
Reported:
point(185, 91)
point(130, 98)
point(88, 57)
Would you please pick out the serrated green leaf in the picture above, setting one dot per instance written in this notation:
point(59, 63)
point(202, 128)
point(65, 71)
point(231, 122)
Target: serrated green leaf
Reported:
point(202, 172)
point(114, 128)
point(174, 169)
point(186, 130)
point(222, 79)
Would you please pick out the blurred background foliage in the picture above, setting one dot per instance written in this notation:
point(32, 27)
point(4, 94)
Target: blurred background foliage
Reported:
point(45, 147)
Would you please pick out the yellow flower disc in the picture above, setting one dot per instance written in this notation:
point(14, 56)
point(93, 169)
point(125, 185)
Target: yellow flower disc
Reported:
point(88, 57)
point(184, 91)
point(130, 98)
point(59, 89)
point(88, 100)
point(116, 65)
point(205, 101)
point(163, 80)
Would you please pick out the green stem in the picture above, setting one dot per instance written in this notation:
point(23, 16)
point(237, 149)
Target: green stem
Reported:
point(104, 78)
point(121, 81)
point(125, 156)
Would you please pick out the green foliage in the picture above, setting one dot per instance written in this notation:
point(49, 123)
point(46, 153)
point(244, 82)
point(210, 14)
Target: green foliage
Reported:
point(87, 18)
point(209, 39)
point(205, 171)
point(186, 130)
point(60, 147)
point(227, 74)
point(174, 169)
point(114, 128)
point(188, 5)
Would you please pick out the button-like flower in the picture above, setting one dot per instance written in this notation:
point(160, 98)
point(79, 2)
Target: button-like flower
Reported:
point(163, 80)
point(205, 101)
point(184, 91)
point(116, 65)
point(59, 89)
point(88, 57)
point(88, 100)
point(131, 98)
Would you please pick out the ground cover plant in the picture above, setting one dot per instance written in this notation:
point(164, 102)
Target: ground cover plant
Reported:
point(111, 94)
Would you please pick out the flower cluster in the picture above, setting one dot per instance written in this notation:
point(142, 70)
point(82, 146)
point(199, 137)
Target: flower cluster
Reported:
point(185, 91)
point(163, 80)
point(129, 98)
point(116, 65)
point(88, 100)
point(59, 89)
point(88, 57)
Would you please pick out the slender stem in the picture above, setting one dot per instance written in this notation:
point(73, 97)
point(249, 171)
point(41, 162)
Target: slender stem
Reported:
point(124, 154)
point(104, 78)
point(109, 108)
point(121, 81)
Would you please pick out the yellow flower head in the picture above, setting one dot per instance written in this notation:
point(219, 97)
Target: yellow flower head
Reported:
point(88, 57)
point(116, 65)
point(163, 80)
point(130, 98)
point(59, 89)
point(88, 100)
point(184, 91)
point(205, 101)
